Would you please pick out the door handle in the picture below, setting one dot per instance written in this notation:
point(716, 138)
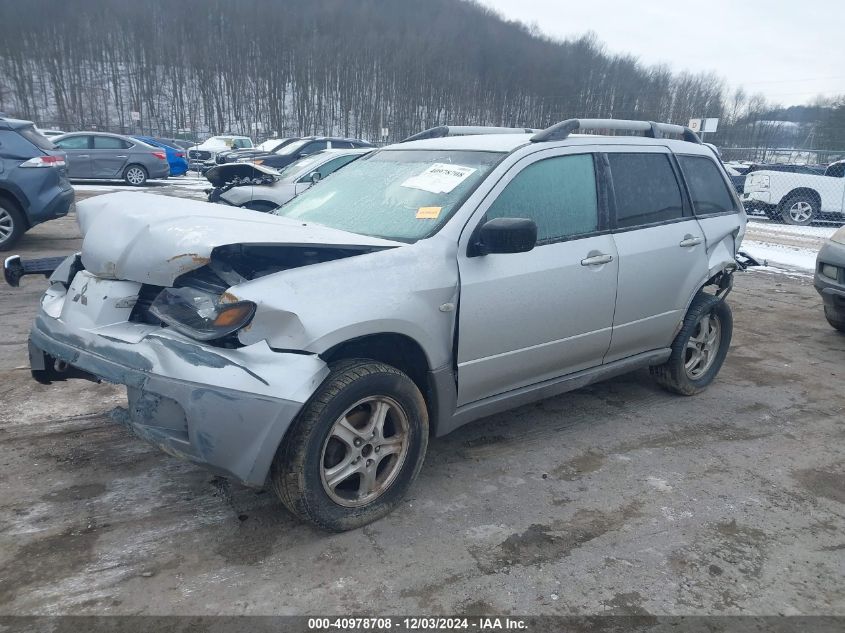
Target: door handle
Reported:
point(689, 241)
point(597, 260)
point(121, 157)
point(83, 156)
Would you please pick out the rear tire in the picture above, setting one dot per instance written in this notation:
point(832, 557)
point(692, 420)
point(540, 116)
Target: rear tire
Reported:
point(699, 349)
point(835, 317)
point(800, 210)
point(135, 175)
point(355, 448)
point(12, 225)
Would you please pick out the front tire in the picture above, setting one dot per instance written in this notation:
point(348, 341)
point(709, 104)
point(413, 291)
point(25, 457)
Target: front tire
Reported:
point(135, 175)
point(355, 448)
point(799, 210)
point(12, 225)
point(699, 349)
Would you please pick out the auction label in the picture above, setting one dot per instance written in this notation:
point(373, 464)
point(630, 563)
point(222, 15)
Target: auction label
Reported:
point(484, 624)
point(439, 178)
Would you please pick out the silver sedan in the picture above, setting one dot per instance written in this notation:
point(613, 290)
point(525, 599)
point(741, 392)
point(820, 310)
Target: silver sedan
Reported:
point(293, 179)
point(102, 156)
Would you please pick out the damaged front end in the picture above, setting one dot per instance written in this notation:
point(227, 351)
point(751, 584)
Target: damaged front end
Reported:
point(151, 303)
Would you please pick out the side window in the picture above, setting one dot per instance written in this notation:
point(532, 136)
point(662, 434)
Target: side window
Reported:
point(646, 189)
point(73, 142)
point(327, 168)
point(109, 142)
point(342, 145)
point(837, 170)
point(559, 194)
point(242, 143)
point(706, 185)
point(310, 148)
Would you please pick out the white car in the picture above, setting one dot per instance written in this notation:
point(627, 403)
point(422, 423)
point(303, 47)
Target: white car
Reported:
point(206, 152)
point(796, 198)
point(291, 181)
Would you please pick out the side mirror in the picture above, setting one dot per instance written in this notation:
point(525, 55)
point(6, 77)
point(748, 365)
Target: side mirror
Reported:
point(316, 176)
point(505, 235)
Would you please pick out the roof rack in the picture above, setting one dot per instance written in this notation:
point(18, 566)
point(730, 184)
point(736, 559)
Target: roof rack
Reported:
point(560, 131)
point(465, 130)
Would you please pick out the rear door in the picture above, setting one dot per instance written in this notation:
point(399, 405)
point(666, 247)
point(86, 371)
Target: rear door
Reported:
point(78, 152)
point(529, 317)
point(715, 204)
point(661, 249)
point(109, 156)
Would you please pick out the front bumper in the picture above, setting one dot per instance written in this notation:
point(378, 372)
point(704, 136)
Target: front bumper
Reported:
point(759, 198)
point(227, 409)
point(831, 290)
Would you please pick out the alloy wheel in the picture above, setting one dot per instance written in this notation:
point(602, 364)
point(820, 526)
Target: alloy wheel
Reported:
point(703, 346)
point(7, 225)
point(801, 211)
point(135, 176)
point(365, 451)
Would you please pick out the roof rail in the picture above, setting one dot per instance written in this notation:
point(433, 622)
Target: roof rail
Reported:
point(560, 131)
point(465, 130)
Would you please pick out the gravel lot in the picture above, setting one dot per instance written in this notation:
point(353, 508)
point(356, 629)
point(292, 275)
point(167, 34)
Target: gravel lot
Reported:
point(618, 498)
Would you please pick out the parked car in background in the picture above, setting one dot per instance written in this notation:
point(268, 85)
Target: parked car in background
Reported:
point(301, 148)
point(267, 147)
point(176, 157)
point(829, 279)
point(50, 133)
point(33, 180)
point(177, 142)
point(432, 283)
point(202, 157)
point(797, 198)
point(101, 156)
point(290, 182)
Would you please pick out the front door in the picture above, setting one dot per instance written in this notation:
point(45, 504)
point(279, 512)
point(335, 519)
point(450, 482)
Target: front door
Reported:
point(529, 317)
point(77, 150)
point(662, 252)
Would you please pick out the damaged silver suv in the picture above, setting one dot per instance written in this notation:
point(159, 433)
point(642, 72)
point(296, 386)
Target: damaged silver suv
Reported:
point(433, 282)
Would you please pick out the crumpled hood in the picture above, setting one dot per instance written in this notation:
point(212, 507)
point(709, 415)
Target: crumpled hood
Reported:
point(154, 239)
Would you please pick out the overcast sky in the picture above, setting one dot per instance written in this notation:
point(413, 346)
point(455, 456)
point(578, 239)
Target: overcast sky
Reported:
point(790, 50)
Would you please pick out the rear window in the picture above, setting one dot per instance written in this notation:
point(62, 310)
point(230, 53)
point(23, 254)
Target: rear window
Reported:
point(706, 185)
point(36, 138)
point(646, 189)
point(110, 142)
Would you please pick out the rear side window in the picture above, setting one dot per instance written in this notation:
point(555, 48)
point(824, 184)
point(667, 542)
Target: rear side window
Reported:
point(559, 194)
point(36, 138)
point(646, 189)
point(109, 142)
point(342, 144)
point(706, 185)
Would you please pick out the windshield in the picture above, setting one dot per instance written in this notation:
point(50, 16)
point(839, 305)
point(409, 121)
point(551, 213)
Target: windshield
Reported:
point(291, 148)
point(269, 145)
point(403, 195)
point(295, 169)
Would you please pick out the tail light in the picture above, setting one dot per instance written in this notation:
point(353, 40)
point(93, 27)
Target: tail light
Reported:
point(160, 155)
point(180, 154)
point(45, 161)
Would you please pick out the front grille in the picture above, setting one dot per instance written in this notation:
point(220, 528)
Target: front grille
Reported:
point(199, 154)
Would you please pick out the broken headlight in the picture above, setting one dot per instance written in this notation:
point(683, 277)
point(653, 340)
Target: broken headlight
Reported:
point(200, 314)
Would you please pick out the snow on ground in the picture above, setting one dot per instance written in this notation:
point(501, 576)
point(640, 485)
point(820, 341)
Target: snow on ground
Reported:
point(783, 246)
point(778, 256)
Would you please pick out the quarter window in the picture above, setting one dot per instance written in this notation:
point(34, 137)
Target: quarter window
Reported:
point(706, 186)
point(559, 194)
point(645, 188)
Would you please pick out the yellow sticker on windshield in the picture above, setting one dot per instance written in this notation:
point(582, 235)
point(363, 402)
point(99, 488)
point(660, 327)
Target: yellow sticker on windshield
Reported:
point(428, 213)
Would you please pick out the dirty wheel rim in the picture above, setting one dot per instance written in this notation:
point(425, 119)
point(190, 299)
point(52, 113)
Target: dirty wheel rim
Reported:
point(7, 224)
point(703, 346)
point(365, 451)
point(801, 211)
point(135, 176)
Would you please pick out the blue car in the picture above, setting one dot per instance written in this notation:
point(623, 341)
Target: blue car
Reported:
point(175, 155)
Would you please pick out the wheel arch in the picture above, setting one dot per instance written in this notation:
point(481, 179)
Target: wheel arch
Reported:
point(399, 351)
point(10, 198)
point(801, 191)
